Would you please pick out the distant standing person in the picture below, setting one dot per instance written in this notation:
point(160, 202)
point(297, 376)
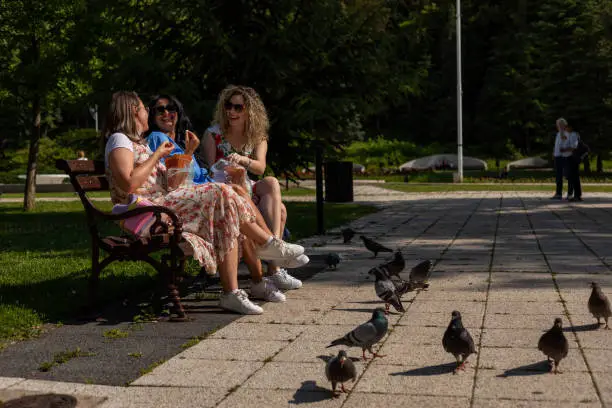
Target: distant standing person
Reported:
point(565, 143)
point(81, 155)
point(574, 189)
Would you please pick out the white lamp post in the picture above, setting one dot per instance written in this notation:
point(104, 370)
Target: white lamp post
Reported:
point(459, 99)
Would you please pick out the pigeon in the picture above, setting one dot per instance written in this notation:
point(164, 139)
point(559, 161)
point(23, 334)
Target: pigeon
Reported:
point(340, 369)
point(554, 344)
point(458, 341)
point(374, 246)
point(396, 265)
point(347, 235)
point(386, 291)
point(599, 305)
point(366, 334)
point(420, 274)
point(332, 259)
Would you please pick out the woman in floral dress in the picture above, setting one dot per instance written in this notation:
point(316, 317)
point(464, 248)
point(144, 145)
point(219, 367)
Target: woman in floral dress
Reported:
point(214, 216)
point(240, 135)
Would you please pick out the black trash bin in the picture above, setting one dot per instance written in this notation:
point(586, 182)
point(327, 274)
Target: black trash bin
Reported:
point(339, 182)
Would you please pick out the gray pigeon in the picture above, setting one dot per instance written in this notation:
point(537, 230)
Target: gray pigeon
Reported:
point(340, 369)
point(374, 246)
point(458, 341)
point(554, 344)
point(396, 265)
point(347, 235)
point(332, 259)
point(366, 334)
point(419, 275)
point(599, 305)
point(386, 290)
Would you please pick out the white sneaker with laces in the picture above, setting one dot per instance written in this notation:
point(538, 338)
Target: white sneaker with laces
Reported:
point(277, 250)
point(284, 281)
point(239, 302)
point(266, 290)
point(293, 262)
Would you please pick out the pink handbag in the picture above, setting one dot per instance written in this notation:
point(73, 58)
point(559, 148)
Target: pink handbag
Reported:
point(138, 225)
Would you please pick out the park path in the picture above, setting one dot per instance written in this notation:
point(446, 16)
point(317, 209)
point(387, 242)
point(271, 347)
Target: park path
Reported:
point(509, 262)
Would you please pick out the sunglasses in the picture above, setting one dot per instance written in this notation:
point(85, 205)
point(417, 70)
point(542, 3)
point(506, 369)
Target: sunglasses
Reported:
point(238, 107)
point(159, 110)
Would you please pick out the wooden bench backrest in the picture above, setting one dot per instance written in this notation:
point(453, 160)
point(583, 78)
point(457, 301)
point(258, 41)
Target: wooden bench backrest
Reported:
point(85, 175)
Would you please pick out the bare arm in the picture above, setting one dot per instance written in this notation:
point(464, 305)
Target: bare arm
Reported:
point(258, 165)
point(128, 177)
point(207, 148)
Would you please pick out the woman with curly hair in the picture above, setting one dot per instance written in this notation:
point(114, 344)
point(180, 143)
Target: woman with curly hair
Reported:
point(240, 135)
point(168, 122)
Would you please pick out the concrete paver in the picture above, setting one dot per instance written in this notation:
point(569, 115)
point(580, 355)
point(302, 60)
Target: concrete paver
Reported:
point(510, 262)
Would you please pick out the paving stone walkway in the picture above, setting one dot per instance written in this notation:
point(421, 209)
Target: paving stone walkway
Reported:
point(510, 262)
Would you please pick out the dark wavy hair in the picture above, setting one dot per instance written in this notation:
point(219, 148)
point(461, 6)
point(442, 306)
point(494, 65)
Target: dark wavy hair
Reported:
point(183, 124)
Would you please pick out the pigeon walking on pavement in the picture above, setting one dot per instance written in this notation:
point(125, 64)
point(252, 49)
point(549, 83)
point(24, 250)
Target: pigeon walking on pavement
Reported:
point(366, 334)
point(458, 341)
point(396, 265)
point(332, 260)
point(599, 305)
point(554, 345)
point(386, 290)
point(347, 235)
point(374, 246)
point(340, 369)
point(419, 275)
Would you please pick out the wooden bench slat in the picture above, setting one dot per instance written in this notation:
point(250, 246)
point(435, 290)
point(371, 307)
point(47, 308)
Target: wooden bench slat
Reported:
point(93, 183)
point(76, 167)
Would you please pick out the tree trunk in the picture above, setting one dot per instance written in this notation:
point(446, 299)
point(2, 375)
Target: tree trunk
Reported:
point(599, 163)
point(29, 199)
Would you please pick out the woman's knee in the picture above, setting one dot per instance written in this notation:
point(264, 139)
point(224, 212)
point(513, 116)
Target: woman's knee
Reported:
point(269, 185)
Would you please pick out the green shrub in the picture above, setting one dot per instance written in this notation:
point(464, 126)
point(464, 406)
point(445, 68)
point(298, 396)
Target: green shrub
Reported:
point(381, 153)
point(87, 140)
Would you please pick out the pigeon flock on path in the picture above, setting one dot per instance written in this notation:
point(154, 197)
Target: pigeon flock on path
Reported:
point(390, 286)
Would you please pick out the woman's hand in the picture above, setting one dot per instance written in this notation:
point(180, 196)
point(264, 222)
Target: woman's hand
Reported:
point(163, 150)
point(191, 142)
point(235, 158)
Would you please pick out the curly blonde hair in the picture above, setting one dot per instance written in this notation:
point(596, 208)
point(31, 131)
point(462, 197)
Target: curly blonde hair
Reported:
point(257, 123)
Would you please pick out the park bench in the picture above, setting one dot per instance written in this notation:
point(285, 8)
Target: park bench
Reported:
point(89, 175)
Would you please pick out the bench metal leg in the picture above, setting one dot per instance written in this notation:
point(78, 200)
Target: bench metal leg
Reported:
point(94, 277)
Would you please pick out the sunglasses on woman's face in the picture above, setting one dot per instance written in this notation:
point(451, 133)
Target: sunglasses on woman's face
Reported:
point(170, 108)
point(238, 107)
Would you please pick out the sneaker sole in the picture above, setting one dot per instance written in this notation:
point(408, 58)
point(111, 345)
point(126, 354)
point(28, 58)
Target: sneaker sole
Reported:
point(294, 262)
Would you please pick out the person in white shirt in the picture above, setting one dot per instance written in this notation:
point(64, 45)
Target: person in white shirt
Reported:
point(565, 143)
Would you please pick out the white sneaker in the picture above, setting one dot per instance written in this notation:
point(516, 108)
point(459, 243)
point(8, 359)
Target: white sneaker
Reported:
point(279, 250)
point(266, 290)
point(293, 262)
point(284, 281)
point(239, 302)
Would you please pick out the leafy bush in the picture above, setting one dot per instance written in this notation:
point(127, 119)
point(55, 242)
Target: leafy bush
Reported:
point(87, 140)
point(380, 153)
point(63, 146)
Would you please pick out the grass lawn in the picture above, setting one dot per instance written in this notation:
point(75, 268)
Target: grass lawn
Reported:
point(294, 191)
point(423, 188)
point(45, 261)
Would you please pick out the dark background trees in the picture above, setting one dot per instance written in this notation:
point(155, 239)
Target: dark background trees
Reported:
point(329, 71)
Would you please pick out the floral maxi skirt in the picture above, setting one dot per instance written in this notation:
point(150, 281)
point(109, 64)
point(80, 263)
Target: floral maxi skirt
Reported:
point(211, 214)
